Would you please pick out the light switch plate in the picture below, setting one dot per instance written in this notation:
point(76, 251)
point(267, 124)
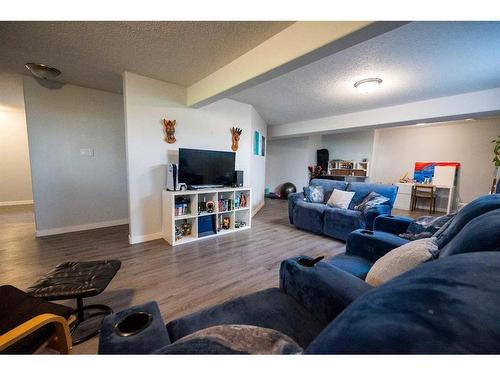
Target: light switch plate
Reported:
point(87, 152)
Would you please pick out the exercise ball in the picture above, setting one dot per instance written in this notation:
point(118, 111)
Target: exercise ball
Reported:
point(287, 188)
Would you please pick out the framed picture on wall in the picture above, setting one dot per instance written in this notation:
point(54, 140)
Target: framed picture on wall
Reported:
point(259, 144)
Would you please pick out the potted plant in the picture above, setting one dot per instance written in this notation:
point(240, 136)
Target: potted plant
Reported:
point(496, 162)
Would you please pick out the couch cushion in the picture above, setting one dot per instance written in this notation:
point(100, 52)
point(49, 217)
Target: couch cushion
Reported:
point(372, 245)
point(270, 308)
point(472, 210)
point(401, 259)
point(314, 194)
point(356, 266)
point(309, 216)
point(328, 185)
point(338, 223)
point(363, 189)
point(233, 339)
point(340, 199)
point(480, 234)
point(446, 306)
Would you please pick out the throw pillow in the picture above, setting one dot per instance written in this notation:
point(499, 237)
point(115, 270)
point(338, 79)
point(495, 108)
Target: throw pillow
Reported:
point(401, 259)
point(372, 199)
point(425, 227)
point(340, 198)
point(314, 194)
point(233, 339)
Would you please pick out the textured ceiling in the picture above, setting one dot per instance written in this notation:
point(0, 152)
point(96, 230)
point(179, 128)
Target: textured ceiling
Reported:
point(418, 61)
point(94, 54)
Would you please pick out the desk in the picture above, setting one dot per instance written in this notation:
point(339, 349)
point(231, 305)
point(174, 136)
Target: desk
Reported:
point(403, 199)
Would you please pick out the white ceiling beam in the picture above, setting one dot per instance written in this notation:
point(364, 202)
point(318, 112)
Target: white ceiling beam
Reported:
point(299, 44)
point(478, 103)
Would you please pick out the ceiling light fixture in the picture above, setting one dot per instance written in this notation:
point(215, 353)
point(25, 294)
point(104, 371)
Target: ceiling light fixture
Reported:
point(368, 85)
point(43, 71)
point(470, 119)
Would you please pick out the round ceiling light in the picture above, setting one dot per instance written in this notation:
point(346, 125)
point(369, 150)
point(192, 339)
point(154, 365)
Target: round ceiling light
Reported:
point(368, 85)
point(43, 71)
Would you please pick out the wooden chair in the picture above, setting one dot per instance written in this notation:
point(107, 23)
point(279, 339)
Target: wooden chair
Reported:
point(28, 323)
point(421, 191)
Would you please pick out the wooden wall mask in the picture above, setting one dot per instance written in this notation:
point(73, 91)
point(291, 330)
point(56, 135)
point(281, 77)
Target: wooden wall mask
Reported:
point(169, 130)
point(236, 132)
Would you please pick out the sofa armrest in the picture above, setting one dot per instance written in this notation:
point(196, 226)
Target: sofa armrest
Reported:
point(372, 213)
point(392, 224)
point(323, 289)
point(292, 199)
point(372, 245)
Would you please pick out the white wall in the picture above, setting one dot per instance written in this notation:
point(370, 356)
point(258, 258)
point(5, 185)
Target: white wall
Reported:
point(74, 192)
point(355, 145)
point(288, 159)
point(469, 143)
point(147, 102)
point(257, 163)
point(15, 174)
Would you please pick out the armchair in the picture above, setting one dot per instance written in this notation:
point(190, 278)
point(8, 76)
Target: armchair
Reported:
point(27, 323)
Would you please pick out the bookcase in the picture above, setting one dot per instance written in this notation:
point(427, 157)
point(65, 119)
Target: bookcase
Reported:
point(192, 215)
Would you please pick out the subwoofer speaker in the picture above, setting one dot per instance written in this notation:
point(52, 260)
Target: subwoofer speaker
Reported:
point(238, 178)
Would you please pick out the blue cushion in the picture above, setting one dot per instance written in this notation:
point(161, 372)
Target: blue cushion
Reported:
point(292, 199)
point(328, 185)
point(270, 308)
point(309, 216)
point(472, 210)
point(480, 234)
point(354, 265)
point(392, 224)
point(338, 222)
point(363, 189)
point(314, 194)
point(445, 306)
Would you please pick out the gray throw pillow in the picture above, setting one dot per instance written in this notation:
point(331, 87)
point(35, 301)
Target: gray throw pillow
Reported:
point(234, 339)
point(314, 194)
point(425, 227)
point(371, 200)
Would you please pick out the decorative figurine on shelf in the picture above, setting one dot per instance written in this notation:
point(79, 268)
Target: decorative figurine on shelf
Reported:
point(226, 223)
point(210, 205)
point(243, 201)
point(169, 130)
point(186, 228)
point(178, 233)
point(236, 132)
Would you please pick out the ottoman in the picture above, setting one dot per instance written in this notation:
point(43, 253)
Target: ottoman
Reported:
point(79, 280)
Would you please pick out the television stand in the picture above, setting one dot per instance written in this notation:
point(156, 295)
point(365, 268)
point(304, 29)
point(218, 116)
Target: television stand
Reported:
point(199, 187)
point(188, 216)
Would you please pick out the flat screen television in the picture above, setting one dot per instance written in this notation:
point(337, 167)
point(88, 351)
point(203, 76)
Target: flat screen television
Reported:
point(204, 167)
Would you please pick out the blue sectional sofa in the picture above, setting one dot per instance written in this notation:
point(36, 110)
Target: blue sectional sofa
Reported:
point(447, 305)
point(363, 248)
point(334, 222)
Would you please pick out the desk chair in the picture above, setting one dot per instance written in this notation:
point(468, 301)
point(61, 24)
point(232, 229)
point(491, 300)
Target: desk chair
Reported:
point(420, 191)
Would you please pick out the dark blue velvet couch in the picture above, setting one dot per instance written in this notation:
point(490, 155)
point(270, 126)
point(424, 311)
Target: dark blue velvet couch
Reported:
point(334, 222)
point(447, 305)
point(363, 248)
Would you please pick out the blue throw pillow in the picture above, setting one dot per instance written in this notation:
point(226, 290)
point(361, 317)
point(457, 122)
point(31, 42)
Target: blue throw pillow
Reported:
point(372, 199)
point(314, 194)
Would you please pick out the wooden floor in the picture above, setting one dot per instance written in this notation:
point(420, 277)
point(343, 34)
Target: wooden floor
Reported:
point(181, 279)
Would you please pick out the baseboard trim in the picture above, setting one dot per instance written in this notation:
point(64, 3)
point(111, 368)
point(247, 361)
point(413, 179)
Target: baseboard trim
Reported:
point(144, 238)
point(257, 209)
point(78, 228)
point(16, 203)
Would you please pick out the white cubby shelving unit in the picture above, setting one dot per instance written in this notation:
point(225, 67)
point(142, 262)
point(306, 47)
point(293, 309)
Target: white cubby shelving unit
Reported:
point(228, 208)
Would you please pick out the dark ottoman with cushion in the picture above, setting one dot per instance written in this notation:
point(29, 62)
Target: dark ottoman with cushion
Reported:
point(78, 280)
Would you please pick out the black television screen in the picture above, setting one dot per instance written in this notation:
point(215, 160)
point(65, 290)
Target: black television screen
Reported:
point(204, 167)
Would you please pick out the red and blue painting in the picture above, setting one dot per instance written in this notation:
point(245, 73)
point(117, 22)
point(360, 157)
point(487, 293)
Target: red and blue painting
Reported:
point(425, 169)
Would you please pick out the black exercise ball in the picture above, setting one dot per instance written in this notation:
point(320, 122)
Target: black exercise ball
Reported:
point(287, 188)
